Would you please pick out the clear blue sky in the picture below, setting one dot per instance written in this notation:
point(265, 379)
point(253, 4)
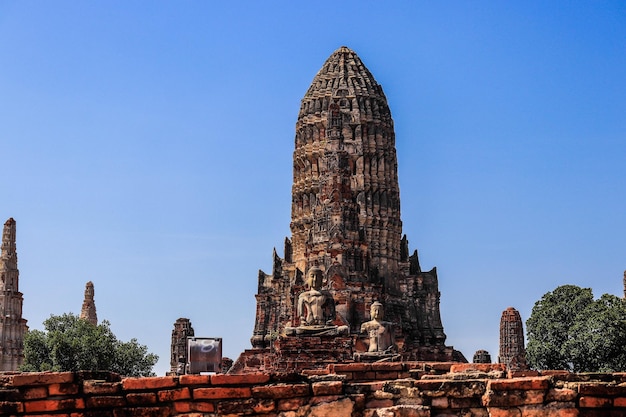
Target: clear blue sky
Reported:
point(146, 146)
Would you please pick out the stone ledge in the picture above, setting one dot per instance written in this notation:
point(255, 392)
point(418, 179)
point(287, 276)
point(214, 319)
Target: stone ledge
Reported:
point(130, 384)
point(481, 367)
point(245, 379)
point(524, 384)
point(41, 378)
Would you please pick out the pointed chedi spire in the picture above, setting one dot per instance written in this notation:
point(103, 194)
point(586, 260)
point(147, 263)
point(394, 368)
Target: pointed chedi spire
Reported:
point(512, 352)
point(88, 311)
point(345, 180)
point(12, 325)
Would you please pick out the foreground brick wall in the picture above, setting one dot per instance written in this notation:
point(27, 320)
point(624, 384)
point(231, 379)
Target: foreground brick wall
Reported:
point(344, 390)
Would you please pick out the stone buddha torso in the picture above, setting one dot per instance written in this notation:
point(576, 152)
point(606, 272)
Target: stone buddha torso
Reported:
point(381, 333)
point(316, 309)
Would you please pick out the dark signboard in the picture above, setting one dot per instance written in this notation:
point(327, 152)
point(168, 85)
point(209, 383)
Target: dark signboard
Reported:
point(204, 354)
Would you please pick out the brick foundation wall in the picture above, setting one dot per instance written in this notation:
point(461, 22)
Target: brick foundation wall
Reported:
point(410, 389)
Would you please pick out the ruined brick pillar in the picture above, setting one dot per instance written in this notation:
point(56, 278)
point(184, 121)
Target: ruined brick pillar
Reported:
point(178, 359)
point(481, 356)
point(88, 310)
point(12, 325)
point(512, 351)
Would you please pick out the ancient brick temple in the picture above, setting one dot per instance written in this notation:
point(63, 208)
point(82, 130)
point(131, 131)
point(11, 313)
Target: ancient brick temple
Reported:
point(512, 352)
point(12, 325)
point(345, 219)
point(88, 310)
point(178, 352)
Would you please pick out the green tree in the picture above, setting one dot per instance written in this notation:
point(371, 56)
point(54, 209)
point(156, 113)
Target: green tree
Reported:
point(597, 340)
point(36, 351)
point(549, 324)
point(71, 344)
point(568, 329)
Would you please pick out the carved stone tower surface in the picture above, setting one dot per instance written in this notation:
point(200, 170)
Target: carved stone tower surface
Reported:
point(12, 325)
point(345, 193)
point(512, 351)
point(182, 330)
point(345, 218)
point(88, 311)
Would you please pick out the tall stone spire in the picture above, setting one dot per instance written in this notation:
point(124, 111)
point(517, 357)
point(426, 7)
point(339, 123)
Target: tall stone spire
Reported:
point(512, 351)
point(178, 352)
point(345, 218)
point(88, 311)
point(12, 325)
point(345, 195)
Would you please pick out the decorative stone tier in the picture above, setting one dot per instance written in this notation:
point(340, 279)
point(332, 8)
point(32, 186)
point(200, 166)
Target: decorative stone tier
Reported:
point(415, 389)
point(294, 354)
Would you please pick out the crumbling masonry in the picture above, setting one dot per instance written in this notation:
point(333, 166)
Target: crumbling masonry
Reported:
point(178, 352)
point(88, 310)
point(512, 351)
point(345, 219)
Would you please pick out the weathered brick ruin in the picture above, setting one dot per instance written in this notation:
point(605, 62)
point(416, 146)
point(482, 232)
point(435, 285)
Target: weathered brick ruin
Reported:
point(345, 221)
point(12, 325)
point(411, 389)
point(481, 356)
point(88, 310)
point(178, 359)
point(512, 351)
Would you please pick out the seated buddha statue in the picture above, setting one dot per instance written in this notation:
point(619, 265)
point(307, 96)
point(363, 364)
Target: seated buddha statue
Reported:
point(381, 335)
point(316, 309)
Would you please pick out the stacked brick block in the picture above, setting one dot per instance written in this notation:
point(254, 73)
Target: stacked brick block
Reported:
point(414, 389)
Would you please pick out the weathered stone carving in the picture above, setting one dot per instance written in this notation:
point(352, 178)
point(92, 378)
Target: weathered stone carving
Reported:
point(381, 336)
point(512, 351)
point(316, 309)
point(381, 333)
point(12, 325)
point(88, 310)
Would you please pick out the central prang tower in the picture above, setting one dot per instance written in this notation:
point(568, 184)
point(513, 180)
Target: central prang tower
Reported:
point(345, 219)
point(346, 201)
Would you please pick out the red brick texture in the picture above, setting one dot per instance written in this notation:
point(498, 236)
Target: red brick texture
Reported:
point(345, 390)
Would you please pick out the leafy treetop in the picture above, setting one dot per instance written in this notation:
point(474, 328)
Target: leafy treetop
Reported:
point(72, 344)
point(568, 329)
